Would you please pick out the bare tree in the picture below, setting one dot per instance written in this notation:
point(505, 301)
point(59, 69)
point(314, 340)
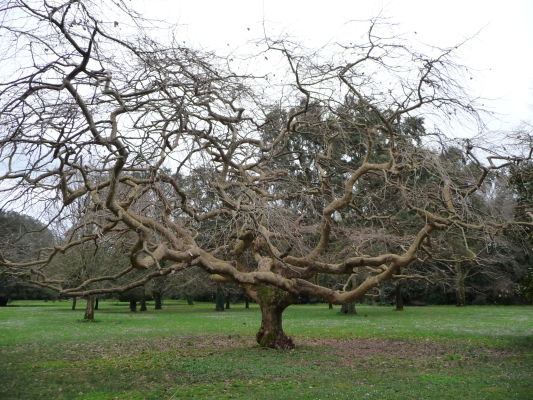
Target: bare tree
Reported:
point(175, 147)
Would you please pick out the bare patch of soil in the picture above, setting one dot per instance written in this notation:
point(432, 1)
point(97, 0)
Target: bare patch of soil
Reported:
point(352, 350)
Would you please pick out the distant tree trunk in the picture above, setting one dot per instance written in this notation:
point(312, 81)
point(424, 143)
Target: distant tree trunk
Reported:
point(143, 304)
point(158, 300)
point(189, 299)
point(398, 295)
point(3, 301)
point(228, 302)
point(460, 285)
point(382, 295)
point(330, 306)
point(89, 309)
point(133, 305)
point(96, 303)
point(246, 302)
point(349, 308)
point(273, 302)
point(74, 300)
point(219, 299)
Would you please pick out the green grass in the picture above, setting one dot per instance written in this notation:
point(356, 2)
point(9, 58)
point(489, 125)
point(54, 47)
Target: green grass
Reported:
point(192, 352)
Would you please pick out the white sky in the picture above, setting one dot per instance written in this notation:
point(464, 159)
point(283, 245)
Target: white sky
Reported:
point(501, 54)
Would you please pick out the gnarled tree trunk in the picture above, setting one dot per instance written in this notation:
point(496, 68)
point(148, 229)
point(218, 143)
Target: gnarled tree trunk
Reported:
point(74, 299)
point(272, 302)
point(133, 305)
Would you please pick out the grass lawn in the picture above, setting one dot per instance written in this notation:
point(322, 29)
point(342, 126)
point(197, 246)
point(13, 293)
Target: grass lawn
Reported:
point(193, 352)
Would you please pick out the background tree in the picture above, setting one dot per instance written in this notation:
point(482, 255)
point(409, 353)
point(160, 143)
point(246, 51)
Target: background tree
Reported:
point(21, 238)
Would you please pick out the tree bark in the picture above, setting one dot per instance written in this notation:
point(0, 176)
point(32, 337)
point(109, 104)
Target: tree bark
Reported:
point(227, 303)
point(133, 305)
point(96, 303)
point(330, 306)
point(158, 301)
point(89, 309)
point(74, 300)
point(190, 301)
point(246, 302)
point(219, 299)
point(272, 302)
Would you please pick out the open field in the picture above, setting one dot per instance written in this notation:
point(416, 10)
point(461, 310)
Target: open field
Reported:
point(192, 352)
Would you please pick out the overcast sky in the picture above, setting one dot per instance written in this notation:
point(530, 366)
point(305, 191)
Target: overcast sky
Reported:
point(500, 52)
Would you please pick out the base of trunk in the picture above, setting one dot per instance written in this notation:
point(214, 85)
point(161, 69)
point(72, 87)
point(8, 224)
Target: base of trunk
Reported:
point(274, 339)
